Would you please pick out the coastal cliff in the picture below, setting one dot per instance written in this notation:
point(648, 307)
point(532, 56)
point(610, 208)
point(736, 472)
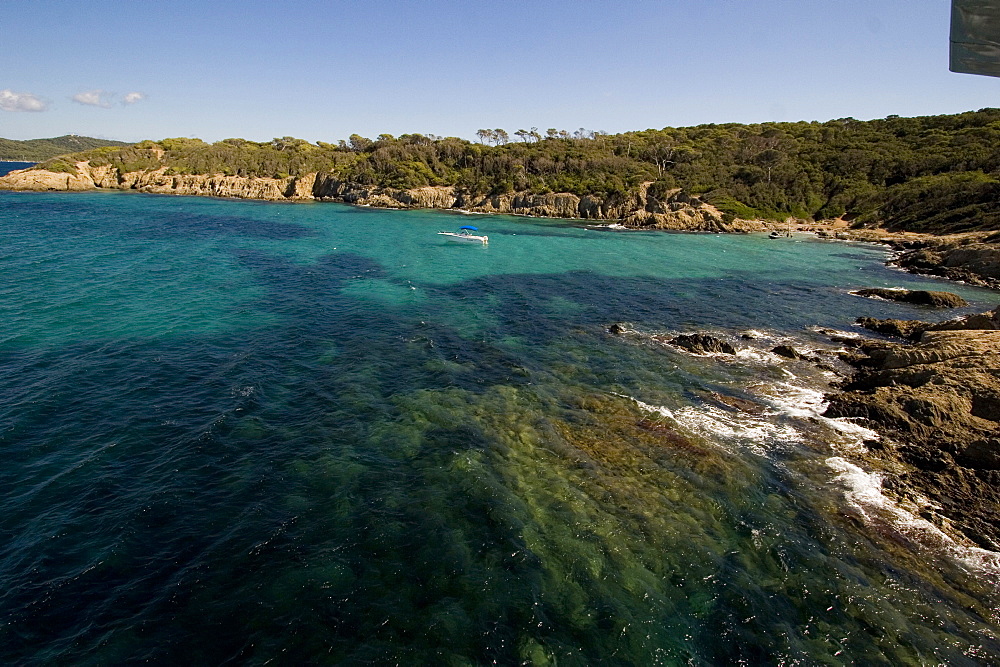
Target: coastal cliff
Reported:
point(40, 180)
point(675, 210)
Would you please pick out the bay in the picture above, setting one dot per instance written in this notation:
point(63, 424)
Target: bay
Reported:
point(242, 432)
point(6, 167)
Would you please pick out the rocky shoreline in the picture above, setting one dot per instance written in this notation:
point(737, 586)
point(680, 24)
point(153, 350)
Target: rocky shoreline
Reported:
point(674, 210)
point(973, 258)
point(931, 392)
point(936, 401)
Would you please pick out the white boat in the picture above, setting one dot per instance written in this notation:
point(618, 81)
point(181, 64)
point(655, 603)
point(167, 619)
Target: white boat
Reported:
point(465, 235)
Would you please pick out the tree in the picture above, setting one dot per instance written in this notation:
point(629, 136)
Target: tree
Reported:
point(359, 144)
point(287, 143)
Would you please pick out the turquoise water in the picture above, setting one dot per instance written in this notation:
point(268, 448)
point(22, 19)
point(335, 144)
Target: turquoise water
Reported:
point(248, 432)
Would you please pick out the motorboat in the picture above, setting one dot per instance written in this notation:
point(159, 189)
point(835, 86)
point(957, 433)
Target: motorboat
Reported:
point(465, 235)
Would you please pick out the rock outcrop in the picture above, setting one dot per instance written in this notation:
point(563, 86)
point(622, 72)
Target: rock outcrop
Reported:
point(916, 297)
point(674, 210)
point(38, 180)
point(970, 258)
point(908, 329)
point(938, 403)
point(700, 343)
point(914, 329)
point(788, 352)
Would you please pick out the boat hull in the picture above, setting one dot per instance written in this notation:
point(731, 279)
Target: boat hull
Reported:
point(465, 238)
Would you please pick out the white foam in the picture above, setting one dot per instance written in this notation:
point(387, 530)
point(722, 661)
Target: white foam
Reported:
point(802, 402)
point(835, 332)
point(863, 493)
point(791, 402)
point(757, 433)
point(658, 409)
point(714, 424)
point(755, 356)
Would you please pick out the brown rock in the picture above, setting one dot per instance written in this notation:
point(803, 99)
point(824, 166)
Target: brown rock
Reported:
point(734, 403)
point(939, 404)
point(918, 297)
point(974, 259)
point(909, 329)
point(40, 180)
point(702, 344)
point(677, 210)
point(788, 352)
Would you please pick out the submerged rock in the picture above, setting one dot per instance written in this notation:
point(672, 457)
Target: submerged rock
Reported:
point(734, 403)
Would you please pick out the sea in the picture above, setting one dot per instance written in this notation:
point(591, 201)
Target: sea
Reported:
point(240, 432)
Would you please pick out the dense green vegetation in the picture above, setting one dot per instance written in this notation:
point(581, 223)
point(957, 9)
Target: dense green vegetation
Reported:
point(36, 150)
point(940, 172)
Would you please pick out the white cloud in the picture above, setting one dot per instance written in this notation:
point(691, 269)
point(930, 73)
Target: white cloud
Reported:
point(11, 101)
point(133, 97)
point(94, 98)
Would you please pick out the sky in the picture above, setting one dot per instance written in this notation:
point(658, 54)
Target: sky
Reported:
point(323, 70)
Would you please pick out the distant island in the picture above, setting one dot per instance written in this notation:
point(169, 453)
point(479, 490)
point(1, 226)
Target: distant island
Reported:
point(37, 150)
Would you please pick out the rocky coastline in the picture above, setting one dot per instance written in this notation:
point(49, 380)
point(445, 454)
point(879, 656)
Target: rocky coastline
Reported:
point(930, 390)
point(675, 210)
point(973, 258)
point(934, 396)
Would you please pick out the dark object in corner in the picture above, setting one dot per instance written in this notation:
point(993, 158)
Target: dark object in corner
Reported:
point(975, 37)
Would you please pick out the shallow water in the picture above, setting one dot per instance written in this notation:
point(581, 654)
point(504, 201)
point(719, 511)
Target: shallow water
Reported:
point(246, 431)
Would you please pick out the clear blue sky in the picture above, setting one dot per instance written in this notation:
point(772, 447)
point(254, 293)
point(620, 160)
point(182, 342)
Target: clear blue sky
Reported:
point(324, 70)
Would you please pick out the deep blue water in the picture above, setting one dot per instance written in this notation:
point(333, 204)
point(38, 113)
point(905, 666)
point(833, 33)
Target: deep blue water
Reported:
point(248, 432)
point(7, 167)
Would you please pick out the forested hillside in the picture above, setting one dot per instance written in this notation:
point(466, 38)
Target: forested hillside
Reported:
point(36, 150)
point(935, 173)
